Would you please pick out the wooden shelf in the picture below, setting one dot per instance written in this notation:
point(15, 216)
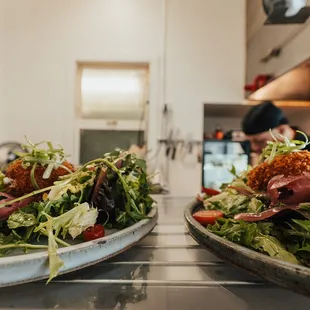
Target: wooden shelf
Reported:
point(239, 110)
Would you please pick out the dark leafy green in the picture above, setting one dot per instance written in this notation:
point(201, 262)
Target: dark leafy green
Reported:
point(124, 191)
point(4, 240)
point(253, 235)
point(288, 240)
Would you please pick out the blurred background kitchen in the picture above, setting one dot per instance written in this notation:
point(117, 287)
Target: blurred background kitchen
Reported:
point(167, 79)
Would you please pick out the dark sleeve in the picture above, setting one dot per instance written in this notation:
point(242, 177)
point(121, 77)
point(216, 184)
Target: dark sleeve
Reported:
point(246, 145)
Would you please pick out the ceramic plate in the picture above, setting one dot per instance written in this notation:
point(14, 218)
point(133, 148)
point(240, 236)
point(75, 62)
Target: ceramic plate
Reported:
point(289, 276)
point(24, 268)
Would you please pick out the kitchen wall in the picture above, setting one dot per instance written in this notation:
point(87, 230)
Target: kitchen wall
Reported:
point(205, 63)
point(2, 126)
point(301, 120)
point(199, 58)
point(261, 39)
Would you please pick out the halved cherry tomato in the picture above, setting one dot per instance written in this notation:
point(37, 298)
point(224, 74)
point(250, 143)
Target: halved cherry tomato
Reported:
point(206, 217)
point(92, 233)
point(210, 191)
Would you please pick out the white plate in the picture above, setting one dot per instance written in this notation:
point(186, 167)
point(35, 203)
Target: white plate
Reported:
point(24, 268)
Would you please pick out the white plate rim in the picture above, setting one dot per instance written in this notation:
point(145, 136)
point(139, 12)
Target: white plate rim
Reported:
point(8, 260)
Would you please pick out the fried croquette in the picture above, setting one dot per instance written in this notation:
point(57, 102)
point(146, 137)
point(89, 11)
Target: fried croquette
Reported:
point(294, 163)
point(20, 177)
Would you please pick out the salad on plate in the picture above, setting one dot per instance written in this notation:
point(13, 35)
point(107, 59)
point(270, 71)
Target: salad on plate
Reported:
point(267, 207)
point(46, 202)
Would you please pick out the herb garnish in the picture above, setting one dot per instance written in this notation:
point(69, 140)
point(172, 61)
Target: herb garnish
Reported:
point(282, 145)
point(52, 157)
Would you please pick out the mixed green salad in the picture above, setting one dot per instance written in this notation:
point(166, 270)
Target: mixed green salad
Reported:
point(44, 197)
point(267, 207)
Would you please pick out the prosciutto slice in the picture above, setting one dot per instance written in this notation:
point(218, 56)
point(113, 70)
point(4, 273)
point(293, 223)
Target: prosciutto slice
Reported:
point(5, 212)
point(255, 217)
point(242, 190)
point(7, 197)
point(290, 190)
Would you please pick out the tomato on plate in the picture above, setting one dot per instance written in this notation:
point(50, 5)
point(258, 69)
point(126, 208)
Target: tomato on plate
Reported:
point(206, 217)
point(210, 191)
point(92, 233)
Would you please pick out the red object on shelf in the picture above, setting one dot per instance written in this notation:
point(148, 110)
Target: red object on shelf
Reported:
point(218, 133)
point(259, 81)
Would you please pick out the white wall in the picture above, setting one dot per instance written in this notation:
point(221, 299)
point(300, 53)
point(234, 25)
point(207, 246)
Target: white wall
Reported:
point(46, 38)
point(205, 57)
point(2, 107)
point(205, 61)
point(265, 38)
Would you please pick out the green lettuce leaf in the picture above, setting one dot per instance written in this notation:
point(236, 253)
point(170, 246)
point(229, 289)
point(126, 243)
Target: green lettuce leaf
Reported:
point(253, 235)
point(305, 224)
point(5, 240)
point(74, 186)
point(228, 202)
point(74, 221)
point(255, 206)
point(20, 219)
point(273, 248)
point(232, 203)
point(299, 230)
point(305, 206)
point(55, 263)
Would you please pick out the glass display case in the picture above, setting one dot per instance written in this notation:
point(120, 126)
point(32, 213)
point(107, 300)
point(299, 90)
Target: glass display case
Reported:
point(219, 157)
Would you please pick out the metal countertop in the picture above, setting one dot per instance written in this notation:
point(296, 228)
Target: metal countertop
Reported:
point(166, 270)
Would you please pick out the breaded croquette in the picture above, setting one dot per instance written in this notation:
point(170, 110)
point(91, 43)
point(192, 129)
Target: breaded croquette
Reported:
point(20, 177)
point(294, 163)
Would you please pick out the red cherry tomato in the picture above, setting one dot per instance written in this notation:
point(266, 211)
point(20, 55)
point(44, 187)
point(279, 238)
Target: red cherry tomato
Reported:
point(206, 217)
point(210, 191)
point(92, 233)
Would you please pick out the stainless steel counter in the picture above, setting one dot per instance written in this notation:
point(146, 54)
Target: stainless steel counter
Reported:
point(166, 270)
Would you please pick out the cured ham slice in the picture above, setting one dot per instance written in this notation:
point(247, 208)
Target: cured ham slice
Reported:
point(255, 217)
point(5, 212)
point(290, 190)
